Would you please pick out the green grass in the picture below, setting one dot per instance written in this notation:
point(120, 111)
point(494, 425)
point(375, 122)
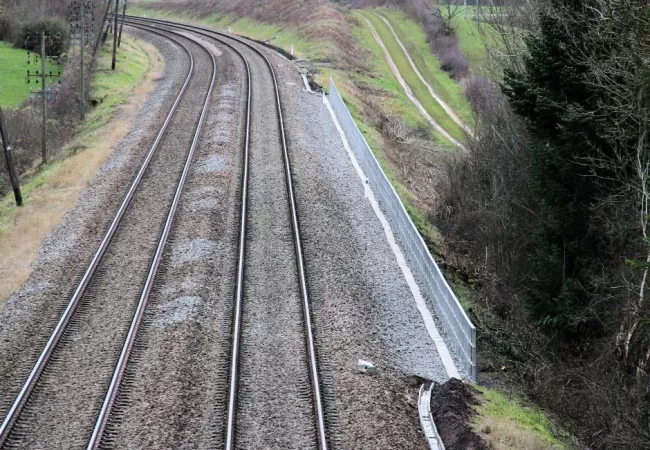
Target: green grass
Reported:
point(414, 39)
point(381, 78)
point(109, 88)
point(519, 415)
point(473, 37)
point(281, 36)
point(471, 42)
point(14, 88)
point(419, 89)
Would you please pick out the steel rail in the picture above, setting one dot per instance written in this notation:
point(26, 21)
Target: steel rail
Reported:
point(112, 391)
point(64, 320)
point(241, 259)
point(311, 348)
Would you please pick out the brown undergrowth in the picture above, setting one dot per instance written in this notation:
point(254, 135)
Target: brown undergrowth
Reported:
point(317, 20)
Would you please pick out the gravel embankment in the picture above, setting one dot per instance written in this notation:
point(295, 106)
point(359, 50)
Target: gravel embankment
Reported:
point(362, 305)
point(363, 308)
point(29, 315)
point(62, 410)
point(274, 377)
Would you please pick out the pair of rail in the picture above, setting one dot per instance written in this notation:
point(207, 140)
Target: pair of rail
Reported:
point(164, 28)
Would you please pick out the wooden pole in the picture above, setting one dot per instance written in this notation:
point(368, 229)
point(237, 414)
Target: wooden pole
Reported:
point(116, 14)
point(101, 31)
point(44, 94)
point(119, 39)
point(13, 177)
point(83, 69)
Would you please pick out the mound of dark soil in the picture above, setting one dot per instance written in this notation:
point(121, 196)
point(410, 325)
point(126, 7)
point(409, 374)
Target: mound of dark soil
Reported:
point(452, 407)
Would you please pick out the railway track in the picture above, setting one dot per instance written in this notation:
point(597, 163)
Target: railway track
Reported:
point(273, 388)
point(64, 390)
point(274, 368)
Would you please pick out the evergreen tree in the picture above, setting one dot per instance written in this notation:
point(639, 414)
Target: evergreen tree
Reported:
point(553, 95)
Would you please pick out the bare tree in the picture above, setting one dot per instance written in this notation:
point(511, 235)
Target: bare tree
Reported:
point(617, 55)
point(503, 28)
point(447, 13)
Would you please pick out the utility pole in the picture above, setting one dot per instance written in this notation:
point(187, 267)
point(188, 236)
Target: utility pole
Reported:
point(116, 14)
point(82, 28)
point(44, 94)
point(82, 61)
point(13, 177)
point(119, 39)
point(99, 38)
point(42, 78)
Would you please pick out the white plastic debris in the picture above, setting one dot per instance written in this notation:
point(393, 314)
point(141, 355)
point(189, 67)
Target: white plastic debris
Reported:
point(366, 367)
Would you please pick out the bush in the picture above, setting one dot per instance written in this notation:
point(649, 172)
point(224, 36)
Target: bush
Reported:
point(5, 28)
point(29, 37)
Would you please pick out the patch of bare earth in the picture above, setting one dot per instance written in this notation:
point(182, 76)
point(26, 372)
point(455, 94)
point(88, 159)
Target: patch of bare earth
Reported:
point(452, 408)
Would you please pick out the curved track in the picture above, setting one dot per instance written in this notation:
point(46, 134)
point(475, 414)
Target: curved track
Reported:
point(62, 393)
point(273, 396)
point(259, 332)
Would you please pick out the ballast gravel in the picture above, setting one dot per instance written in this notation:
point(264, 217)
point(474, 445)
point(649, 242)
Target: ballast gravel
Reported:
point(175, 374)
point(176, 384)
point(363, 308)
point(30, 314)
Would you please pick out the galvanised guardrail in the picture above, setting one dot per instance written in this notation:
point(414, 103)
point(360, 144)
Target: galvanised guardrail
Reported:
point(459, 331)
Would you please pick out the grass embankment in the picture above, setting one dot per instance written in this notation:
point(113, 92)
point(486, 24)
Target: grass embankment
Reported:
point(379, 83)
point(14, 88)
point(471, 38)
point(277, 35)
point(55, 188)
point(414, 39)
point(512, 424)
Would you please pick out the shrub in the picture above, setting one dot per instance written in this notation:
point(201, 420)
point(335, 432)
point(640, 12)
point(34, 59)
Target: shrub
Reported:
point(29, 37)
point(5, 28)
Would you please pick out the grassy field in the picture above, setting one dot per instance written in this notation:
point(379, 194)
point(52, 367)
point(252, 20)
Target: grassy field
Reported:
point(470, 39)
point(280, 36)
point(511, 424)
point(54, 190)
point(14, 88)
